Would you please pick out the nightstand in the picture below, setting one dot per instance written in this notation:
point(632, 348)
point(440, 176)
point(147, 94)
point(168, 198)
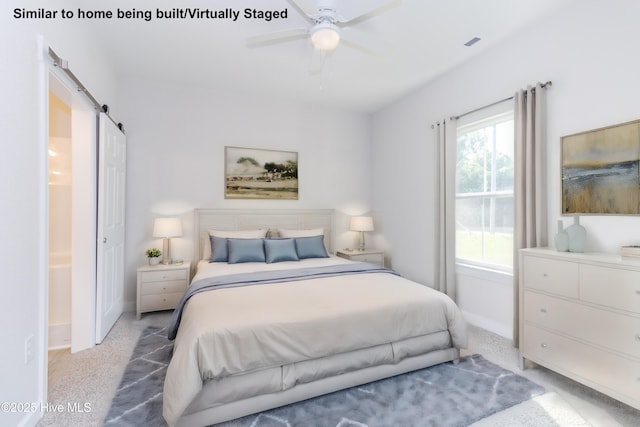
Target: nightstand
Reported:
point(160, 287)
point(374, 257)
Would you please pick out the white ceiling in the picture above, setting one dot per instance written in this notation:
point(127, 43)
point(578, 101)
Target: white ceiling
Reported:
point(416, 41)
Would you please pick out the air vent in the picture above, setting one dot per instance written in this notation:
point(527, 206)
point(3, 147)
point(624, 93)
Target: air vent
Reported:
point(472, 41)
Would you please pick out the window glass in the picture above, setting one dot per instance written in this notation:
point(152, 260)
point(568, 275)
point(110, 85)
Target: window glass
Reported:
point(484, 192)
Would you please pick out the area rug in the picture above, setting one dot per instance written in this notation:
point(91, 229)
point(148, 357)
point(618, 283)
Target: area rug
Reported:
point(448, 394)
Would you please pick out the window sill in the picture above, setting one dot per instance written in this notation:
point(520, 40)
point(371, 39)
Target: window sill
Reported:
point(485, 273)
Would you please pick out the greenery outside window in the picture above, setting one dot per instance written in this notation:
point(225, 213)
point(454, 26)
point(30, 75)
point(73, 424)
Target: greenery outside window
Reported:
point(484, 192)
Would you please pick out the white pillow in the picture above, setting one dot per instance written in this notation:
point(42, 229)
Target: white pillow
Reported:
point(240, 234)
point(232, 234)
point(300, 233)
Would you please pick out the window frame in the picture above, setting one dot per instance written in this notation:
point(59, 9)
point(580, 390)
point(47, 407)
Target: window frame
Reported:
point(482, 121)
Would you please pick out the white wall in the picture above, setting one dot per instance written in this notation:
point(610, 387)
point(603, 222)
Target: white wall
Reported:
point(587, 50)
point(23, 193)
point(176, 134)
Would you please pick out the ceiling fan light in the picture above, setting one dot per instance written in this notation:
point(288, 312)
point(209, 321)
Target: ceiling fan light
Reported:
point(325, 37)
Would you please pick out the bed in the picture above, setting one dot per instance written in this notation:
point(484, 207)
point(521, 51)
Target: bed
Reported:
point(254, 334)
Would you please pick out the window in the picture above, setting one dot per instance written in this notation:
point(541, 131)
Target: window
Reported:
point(484, 192)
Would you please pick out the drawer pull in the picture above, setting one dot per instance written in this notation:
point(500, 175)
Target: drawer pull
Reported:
point(544, 274)
point(637, 337)
point(543, 345)
point(637, 291)
point(543, 310)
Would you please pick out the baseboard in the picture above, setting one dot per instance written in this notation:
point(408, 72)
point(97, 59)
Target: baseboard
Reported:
point(59, 336)
point(488, 324)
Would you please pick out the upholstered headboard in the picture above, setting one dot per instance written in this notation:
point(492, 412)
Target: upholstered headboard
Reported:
point(249, 219)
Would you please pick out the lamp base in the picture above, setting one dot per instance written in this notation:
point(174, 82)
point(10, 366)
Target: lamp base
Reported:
point(361, 241)
point(166, 251)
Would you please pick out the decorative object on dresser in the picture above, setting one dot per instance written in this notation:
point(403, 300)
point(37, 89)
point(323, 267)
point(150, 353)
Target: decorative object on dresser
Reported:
point(361, 224)
point(600, 171)
point(581, 318)
point(167, 228)
point(562, 238)
point(154, 255)
point(160, 287)
point(370, 256)
point(577, 236)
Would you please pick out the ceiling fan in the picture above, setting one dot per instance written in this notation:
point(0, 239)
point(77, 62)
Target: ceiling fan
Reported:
point(326, 25)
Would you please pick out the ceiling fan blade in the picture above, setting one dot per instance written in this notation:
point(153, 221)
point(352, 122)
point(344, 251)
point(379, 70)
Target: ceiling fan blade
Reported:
point(306, 8)
point(370, 14)
point(360, 47)
point(277, 37)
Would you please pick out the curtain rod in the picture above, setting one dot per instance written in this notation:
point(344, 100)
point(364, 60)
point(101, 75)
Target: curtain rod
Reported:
point(544, 85)
point(64, 66)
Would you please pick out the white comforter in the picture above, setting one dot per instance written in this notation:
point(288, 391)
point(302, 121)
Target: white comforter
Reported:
point(238, 330)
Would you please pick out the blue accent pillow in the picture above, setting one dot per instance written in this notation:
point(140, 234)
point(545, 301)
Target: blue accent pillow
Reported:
point(311, 247)
point(245, 250)
point(218, 249)
point(279, 250)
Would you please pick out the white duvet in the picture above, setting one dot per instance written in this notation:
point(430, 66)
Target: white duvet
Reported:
point(237, 330)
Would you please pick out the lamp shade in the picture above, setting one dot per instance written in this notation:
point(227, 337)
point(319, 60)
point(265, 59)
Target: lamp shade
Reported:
point(361, 223)
point(167, 227)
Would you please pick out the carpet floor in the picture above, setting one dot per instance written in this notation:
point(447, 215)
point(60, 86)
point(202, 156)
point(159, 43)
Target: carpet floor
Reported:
point(443, 395)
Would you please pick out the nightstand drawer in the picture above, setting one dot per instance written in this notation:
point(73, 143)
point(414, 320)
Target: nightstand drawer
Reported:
point(164, 275)
point(175, 286)
point(161, 287)
point(159, 301)
point(372, 258)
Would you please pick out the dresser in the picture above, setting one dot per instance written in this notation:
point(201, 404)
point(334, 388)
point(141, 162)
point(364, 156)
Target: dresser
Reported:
point(580, 316)
point(160, 287)
point(371, 256)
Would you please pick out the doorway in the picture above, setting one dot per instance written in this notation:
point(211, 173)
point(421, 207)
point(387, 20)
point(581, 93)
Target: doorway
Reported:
point(60, 186)
point(72, 194)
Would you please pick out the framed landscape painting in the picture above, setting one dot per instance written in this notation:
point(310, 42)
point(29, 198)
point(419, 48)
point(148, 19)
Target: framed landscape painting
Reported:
point(600, 171)
point(260, 174)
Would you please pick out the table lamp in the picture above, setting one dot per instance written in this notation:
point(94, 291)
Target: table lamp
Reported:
point(361, 224)
point(166, 228)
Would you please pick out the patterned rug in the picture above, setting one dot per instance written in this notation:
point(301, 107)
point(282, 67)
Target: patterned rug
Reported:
point(443, 395)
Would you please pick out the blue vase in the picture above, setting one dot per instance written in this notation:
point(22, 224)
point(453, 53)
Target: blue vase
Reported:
point(577, 236)
point(561, 239)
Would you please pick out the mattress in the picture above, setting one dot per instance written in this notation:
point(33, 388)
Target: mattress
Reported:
point(255, 340)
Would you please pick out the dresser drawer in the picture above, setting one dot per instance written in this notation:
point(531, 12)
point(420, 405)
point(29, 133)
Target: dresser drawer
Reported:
point(607, 372)
point(611, 287)
point(604, 328)
point(551, 276)
point(159, 301)
point(159, 276)
point(175, 286)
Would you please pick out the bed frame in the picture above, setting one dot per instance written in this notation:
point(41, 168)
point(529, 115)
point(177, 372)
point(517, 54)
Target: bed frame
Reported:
point(200, 412)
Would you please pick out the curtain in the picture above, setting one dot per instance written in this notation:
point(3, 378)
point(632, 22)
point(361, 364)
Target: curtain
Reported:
point(444, 275)
point(530, 228)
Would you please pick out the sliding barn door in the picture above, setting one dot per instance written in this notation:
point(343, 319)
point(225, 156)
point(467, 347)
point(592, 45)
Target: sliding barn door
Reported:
point(111, 197)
